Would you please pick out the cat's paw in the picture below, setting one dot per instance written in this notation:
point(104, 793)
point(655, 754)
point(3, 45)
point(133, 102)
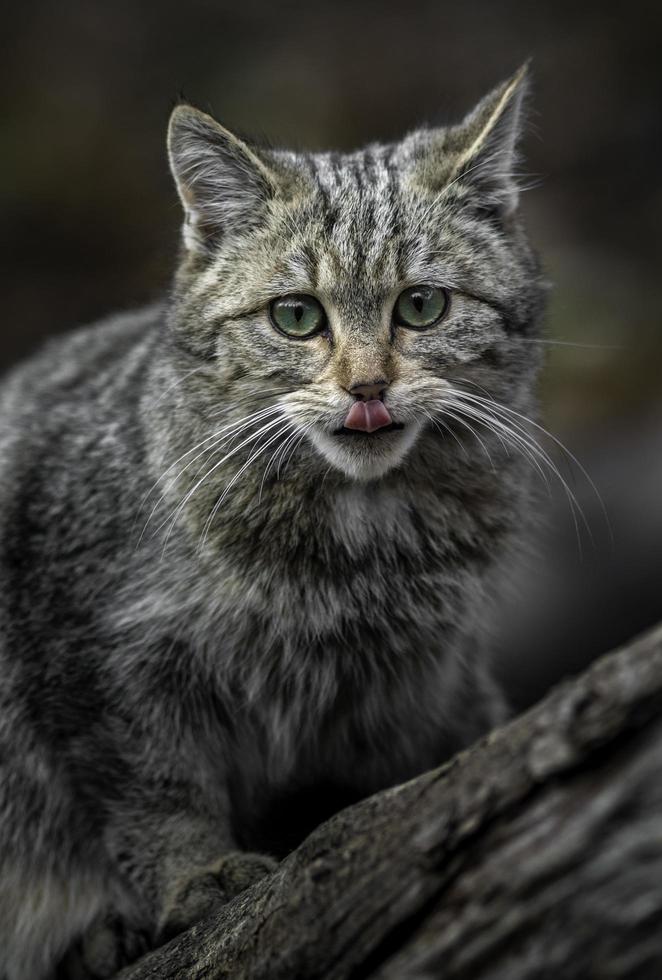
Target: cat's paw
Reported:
point(238, 870)
point(203, 892)
point(107, 945)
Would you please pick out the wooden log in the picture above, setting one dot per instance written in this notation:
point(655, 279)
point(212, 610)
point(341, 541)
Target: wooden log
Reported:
point(536, 853)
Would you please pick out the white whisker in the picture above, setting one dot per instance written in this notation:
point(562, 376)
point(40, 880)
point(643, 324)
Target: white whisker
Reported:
point(174, 516)
point(276, 452)
point(526, 447)
point(564, 449)
point(293, 450)
point(458, 418)
point(252, 397)
point(536, 455)
point(437, 422)
point(254, 454)
point(501, 419)
point(566, 343)
point(216, 439)
point(175, 384)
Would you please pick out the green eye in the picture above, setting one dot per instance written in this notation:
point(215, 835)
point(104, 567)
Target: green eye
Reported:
point(420, 306)
point(297, 315)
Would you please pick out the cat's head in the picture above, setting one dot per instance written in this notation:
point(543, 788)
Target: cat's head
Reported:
point(354, 290)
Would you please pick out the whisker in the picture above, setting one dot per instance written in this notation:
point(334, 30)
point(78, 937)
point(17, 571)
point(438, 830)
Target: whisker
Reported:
point(278, 457)
point(216, 439)
point(497, 416)
point(458, 418)
point(439, 422)
point(175, 384)
point(291, 453)
point(564, 449)
point(255, 453)
point(514, 439)
point(255, 416)
point(550, 342)
point(329, 468)
point(536, 455)
point(486, 163)
point(278, 449)
point(174, 516)
point(250, 397)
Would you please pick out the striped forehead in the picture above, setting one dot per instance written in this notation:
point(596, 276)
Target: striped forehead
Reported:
point(368, 172)
point(358, 197)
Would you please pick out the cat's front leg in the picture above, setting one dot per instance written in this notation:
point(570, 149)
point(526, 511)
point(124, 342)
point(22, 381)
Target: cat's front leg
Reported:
point(109, 943)
point(180, 867)
point(112, 941)
point(198, 892)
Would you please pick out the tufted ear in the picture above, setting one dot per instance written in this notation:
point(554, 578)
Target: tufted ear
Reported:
point(223, 185)
point(479, 156)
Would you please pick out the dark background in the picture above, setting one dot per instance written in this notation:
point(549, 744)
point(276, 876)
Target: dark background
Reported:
point(89, 218)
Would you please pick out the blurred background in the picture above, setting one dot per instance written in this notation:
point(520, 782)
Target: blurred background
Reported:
point(89, 218)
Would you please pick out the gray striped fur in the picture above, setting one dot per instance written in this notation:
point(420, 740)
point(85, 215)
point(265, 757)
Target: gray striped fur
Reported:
point(194, 638)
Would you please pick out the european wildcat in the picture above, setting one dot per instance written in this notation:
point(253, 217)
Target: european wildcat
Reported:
point(249, 538)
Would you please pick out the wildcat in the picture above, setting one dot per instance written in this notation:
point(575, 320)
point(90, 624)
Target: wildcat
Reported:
point(250, 537)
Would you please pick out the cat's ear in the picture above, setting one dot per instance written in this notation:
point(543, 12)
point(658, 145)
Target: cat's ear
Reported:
point(480, 155)
point(223, 185)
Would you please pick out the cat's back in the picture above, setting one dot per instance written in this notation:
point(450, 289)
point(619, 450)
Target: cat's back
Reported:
point(78, 366)
point(77, 389)
point(71, 451)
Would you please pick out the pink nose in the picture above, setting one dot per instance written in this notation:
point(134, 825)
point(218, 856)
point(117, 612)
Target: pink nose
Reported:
point(368, 416)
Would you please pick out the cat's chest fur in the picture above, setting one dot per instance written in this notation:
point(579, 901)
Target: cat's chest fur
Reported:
point(364, 574)
point(315, 644)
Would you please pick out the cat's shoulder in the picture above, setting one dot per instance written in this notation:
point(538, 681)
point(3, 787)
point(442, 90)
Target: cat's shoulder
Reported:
point(82, 358)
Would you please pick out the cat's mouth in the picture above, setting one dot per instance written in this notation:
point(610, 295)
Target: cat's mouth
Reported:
point(367, 455)
point(361, 433)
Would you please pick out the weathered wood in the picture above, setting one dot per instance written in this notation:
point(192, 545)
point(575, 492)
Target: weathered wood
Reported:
point(535, 854)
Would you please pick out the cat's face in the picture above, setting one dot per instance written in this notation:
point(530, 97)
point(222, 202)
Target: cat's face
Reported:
point(355, 290)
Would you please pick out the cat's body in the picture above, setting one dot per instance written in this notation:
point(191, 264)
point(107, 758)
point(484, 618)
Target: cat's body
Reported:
point(183, 682)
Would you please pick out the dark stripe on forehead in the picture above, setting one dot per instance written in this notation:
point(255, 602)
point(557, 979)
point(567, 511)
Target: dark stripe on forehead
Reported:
point(335, 161)
point(370, 167)
point(358, 206)
point(351, 175)
point(310, 163)
point(393, 191)
point(309, 259)
point(368, 232)
point(403, 250)
point(356, 172)
point(392, 169)
point(320, 168)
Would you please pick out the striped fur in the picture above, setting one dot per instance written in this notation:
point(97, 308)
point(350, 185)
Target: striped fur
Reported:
point(220, 619)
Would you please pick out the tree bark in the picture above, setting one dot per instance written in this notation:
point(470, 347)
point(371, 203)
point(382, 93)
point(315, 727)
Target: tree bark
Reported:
point(535, 854)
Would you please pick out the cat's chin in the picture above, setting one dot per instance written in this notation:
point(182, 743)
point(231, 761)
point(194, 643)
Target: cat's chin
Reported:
point(366, 457)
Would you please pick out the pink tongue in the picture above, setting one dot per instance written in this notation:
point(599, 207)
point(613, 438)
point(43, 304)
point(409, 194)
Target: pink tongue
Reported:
point(367, 416)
